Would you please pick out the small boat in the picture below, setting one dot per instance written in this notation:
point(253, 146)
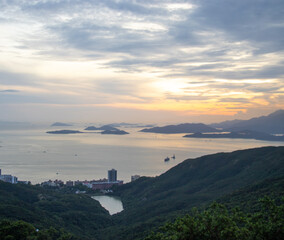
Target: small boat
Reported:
point(174, 157)
point(167, 159)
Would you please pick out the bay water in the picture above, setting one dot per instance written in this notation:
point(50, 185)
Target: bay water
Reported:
point(34, 155)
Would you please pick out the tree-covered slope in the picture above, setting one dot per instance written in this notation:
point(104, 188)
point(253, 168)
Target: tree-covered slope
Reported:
point(43, 208)
point(238, 178)
point(217, 222)
point(195, 182)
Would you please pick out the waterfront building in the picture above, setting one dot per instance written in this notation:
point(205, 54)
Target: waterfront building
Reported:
point(112, 175)
point(105, 185)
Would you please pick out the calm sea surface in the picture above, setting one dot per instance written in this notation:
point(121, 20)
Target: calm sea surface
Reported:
point(37, 156)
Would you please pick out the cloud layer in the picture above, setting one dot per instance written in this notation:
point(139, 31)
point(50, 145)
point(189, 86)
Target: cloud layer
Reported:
point(189, 57)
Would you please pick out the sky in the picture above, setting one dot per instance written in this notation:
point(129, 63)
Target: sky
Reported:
point(140, 61)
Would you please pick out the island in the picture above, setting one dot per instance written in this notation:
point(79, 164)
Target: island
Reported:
point(115, 132)
point(246, 134)
point(64, 132)
point(105, 127)
point(181, 128)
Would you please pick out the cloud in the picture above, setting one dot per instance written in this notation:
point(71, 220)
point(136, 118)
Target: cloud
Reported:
point(215, 47)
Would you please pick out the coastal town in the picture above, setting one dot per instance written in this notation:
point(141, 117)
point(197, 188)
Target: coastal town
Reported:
point(104, 184)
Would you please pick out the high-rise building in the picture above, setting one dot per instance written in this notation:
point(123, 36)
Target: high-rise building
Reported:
point(112, 175)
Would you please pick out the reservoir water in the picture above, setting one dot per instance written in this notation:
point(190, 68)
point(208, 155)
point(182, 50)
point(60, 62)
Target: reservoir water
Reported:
point(34, 155)
point(112, 204)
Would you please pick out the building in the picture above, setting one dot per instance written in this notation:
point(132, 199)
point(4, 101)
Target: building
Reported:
point(8, 178)
point(112, 175)
point(105, 185)
point(48, 183)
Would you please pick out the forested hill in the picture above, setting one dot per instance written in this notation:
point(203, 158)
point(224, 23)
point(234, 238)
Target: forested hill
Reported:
point(45, 208)
point(197, 182)
point(238, 178)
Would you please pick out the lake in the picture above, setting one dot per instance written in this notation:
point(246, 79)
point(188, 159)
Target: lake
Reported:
point(112, 204)
point(34, 155)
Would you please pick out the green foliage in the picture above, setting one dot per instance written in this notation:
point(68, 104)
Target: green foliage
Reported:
point(44, 208)
point(20, 230)
point(239, 178)
point(217, 223)
point(235, 179)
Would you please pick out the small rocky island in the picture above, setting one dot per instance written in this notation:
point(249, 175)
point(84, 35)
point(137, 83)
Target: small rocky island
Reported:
point(64, 132)
point(104, 128)
point(115, 132)
point(107, 129)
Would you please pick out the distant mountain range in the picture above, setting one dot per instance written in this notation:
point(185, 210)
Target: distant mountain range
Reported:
point(259, 128)
point(273, 124)
point(181, 128)
point(245, 134)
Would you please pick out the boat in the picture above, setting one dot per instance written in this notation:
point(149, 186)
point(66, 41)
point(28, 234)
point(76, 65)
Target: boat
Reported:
point(174, 157)
point(167, 159)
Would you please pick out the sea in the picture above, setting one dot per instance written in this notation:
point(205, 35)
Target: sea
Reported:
point(33, 155)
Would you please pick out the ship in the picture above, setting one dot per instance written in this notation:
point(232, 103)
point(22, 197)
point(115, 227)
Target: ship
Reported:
point(174, 157)
point(167, 159)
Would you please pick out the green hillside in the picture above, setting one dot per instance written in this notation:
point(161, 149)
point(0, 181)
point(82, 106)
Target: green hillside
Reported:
point(195, 182)
point(238, 178)
point(44, 208)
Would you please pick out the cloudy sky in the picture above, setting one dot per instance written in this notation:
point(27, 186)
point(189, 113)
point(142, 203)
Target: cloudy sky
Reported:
point(140, 61)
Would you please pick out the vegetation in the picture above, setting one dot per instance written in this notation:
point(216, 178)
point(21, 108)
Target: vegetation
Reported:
point(218, 223)
point(44, 208)
point(236, 179)
point(20, 230)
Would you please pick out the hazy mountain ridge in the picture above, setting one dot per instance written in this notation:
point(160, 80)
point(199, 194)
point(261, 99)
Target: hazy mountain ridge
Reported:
point(181, 128)
point(272, 123)
point(244, 134)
